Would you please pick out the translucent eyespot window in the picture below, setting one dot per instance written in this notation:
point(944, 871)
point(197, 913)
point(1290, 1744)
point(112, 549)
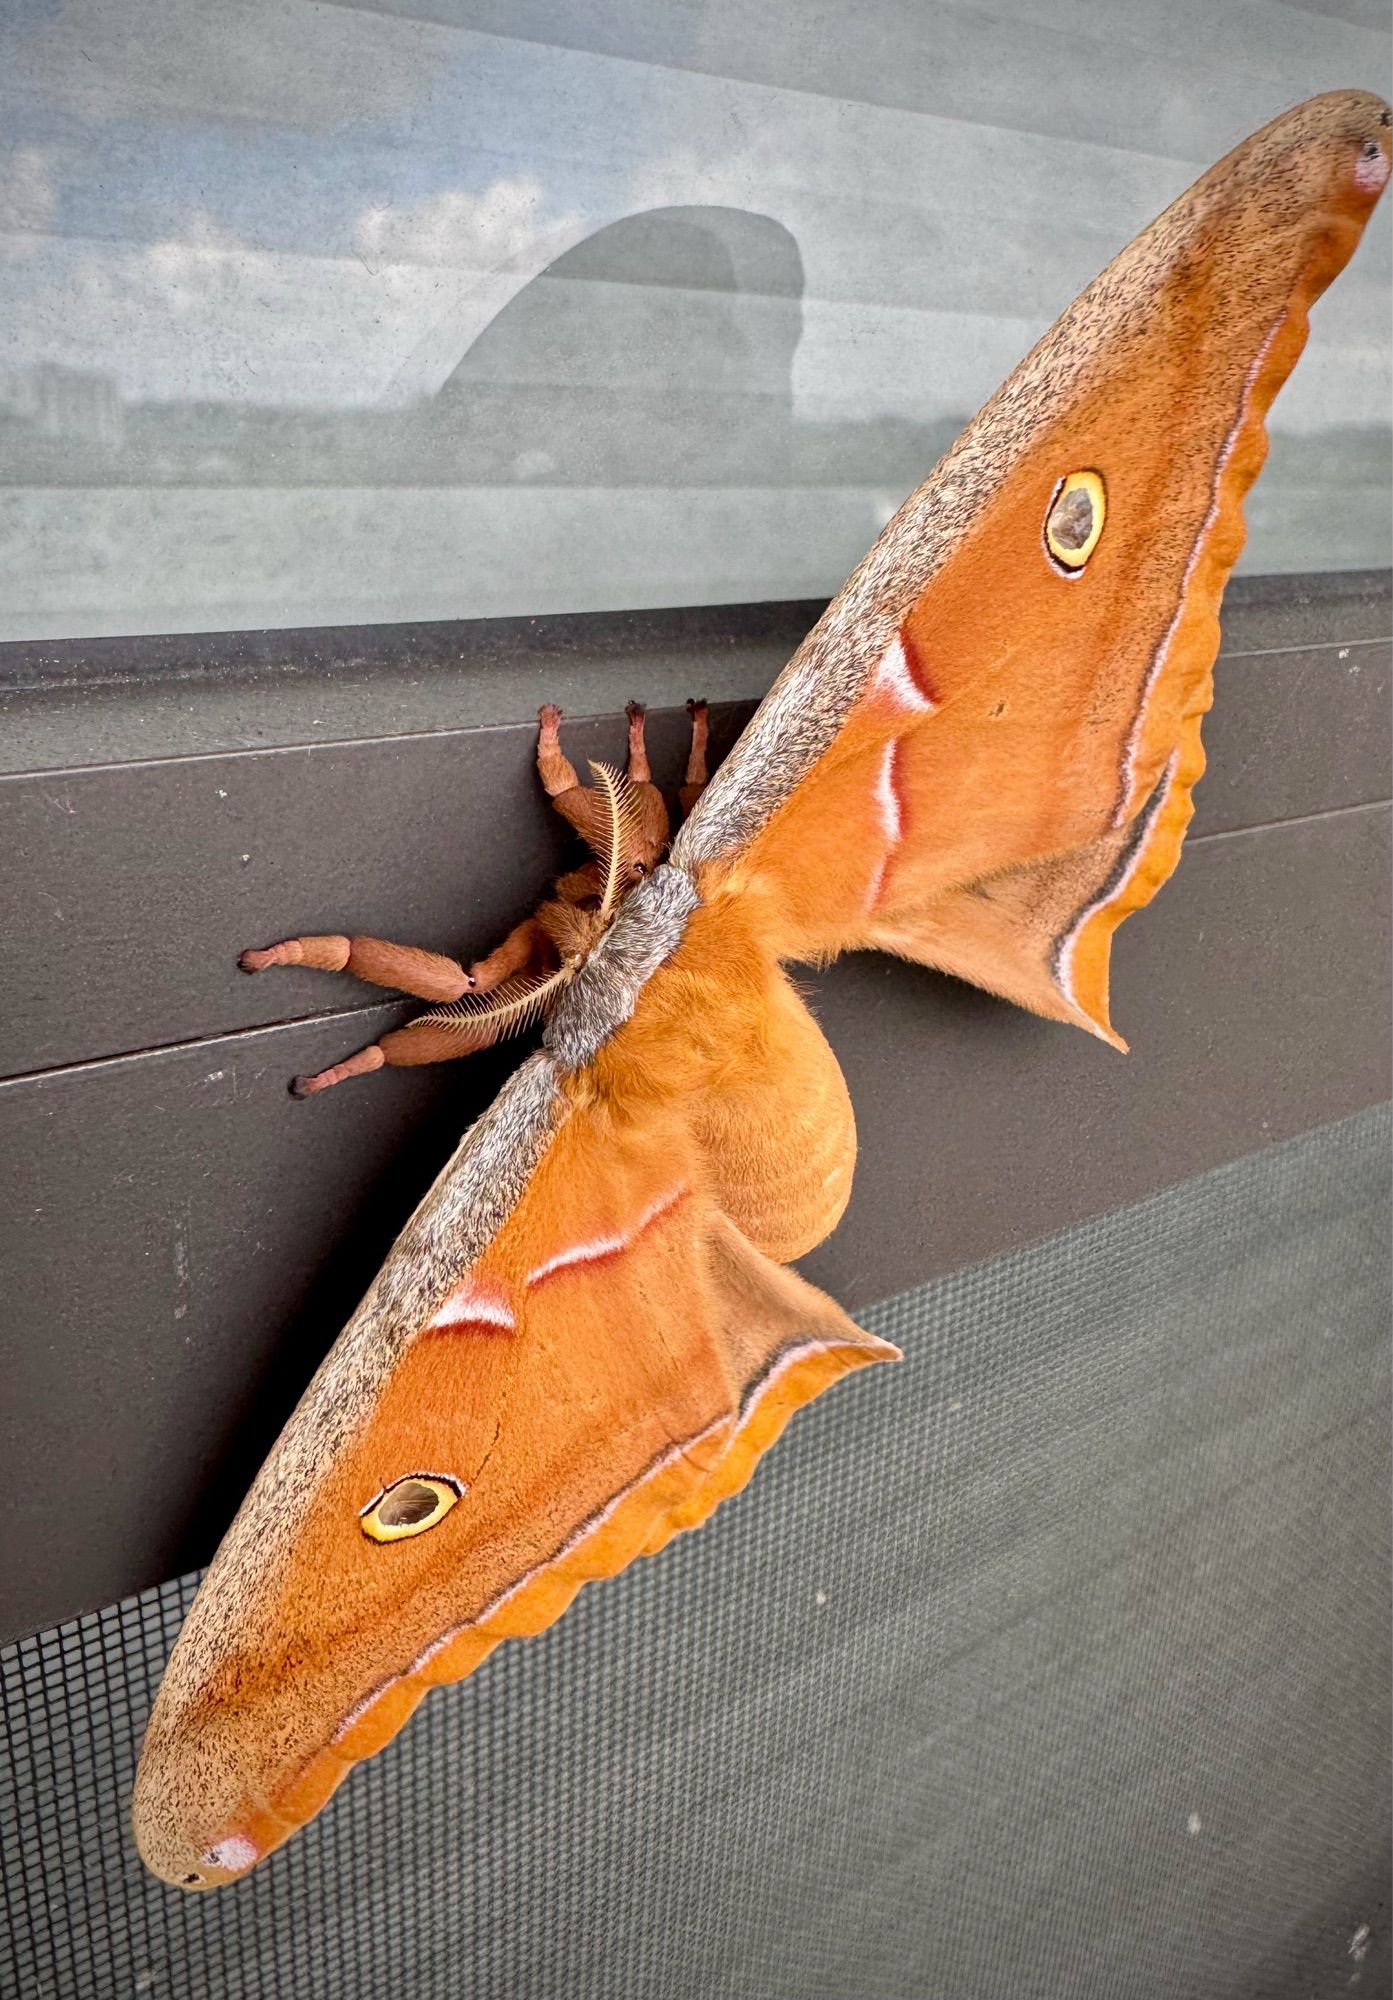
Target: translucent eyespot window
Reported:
point(1075, 520)
point(409, 1506)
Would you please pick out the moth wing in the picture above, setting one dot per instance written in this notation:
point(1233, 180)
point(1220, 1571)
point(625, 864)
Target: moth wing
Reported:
point(983, 755)
point(579, 1344)
point(603, 1368)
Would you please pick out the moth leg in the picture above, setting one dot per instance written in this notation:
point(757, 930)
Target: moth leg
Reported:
point(638, 773)
point(527, 948)
point(697, 775)
point(653, 825)
point(557, 771)
point(579, 805)
point(430, 1042)
point(426, 975)
point(584, 807)
point(363, 1064)
point(576, 803)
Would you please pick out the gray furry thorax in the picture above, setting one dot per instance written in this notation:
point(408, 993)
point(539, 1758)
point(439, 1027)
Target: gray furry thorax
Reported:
point(648, 927)
point(482, 1184)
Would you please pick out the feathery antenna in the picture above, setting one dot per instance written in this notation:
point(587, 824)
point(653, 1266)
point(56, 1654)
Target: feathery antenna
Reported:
point(622, 831)
point(481, 1019)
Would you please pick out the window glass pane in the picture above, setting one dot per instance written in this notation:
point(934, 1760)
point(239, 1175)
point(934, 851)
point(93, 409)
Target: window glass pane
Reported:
point(443, 308)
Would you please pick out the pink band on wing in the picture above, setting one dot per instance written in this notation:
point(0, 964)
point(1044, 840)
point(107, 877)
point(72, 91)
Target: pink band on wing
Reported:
point(475, 1303)
point(889, 808)
point(901, 676)
point(598, 1249)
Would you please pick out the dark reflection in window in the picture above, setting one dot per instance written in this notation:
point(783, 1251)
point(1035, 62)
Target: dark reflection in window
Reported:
point(658, 352)
point(328, 314)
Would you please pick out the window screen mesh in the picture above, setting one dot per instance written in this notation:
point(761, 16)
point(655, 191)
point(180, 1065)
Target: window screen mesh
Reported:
point(1054, 1662)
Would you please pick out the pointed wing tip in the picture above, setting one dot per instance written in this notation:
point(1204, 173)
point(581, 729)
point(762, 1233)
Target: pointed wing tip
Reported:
point(873, 1348)
point(1102, 1029)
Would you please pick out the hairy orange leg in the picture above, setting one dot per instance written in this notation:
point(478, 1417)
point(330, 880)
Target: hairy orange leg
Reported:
point(639, 773)
point(654, 827)
point(361, 1064)
point(526, 949)
point(697, 774)
point(405, 1047)
point(557, 771)
point(426, 975)
point(583, 807)
point(575, 802)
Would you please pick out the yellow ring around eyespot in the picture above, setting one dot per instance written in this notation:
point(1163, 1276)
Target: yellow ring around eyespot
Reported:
point(402, 1498)
point(1065, 511)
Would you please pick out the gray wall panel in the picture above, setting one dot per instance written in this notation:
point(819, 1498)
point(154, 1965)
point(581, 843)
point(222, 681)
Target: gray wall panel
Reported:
point(185, 1240)
point(132, 888)
point(1296, 732)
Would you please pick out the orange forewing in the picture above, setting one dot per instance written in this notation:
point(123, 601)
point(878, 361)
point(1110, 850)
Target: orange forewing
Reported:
point(606, 1373)
point(1020, 713)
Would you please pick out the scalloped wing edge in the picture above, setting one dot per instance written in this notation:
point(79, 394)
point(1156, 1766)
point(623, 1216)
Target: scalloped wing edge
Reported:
point(803, 712)
point(678, 1492)
point(1187, 662)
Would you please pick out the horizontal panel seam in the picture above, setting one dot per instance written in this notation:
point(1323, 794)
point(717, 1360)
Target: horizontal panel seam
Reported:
point(365, 1008)
point(1379, 804)
point(314, 745)
point(1340, 646)
point(306, 749)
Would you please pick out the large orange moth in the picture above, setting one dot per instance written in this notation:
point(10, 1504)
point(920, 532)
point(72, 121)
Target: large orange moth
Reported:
point(981, 758)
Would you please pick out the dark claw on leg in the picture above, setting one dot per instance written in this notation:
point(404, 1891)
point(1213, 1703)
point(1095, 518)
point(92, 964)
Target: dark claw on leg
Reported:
point(323, 953)
point(362, 1064)
point(639, 773)
point(555, 769)
point(696, 762)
